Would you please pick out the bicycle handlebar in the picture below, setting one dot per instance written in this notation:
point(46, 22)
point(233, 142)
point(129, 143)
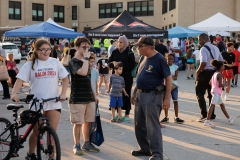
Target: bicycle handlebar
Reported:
point(30, 97)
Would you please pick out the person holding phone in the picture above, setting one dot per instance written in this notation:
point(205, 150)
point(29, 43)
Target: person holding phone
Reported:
point(82, 101)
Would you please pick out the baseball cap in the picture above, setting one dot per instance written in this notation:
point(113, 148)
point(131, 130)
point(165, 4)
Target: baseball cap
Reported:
point(145, 40)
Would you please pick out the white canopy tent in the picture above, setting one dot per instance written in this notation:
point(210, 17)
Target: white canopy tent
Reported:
point(222, 33)
point(218, 22)
point(54, 23)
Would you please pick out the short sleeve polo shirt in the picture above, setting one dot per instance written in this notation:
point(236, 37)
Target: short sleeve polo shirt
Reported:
point(153, 73)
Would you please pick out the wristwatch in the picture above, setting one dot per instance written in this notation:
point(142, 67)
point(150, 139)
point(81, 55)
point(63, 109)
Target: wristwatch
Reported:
point(86, 58)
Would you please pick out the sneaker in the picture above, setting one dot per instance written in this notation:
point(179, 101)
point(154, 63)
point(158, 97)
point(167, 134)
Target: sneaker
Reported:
point(162, 125)
point(31, 156)
point(155, 158)
point(77, 149)
point(88, 146)
point(188, 78)
point(202, 119)
point(178, 120)
point(232, 85)
point(236, 85)
point(125, 119)
point(141, 153)
point(226, 97)
point(231, 119)
point(208, 123)
point(165, 120)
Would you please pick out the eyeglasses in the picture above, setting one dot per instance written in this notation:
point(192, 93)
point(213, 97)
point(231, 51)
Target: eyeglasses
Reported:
point(85, 47)
point(45, 50)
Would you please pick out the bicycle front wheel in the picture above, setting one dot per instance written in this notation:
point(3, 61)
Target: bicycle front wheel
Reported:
point(5, 139)
point(48, 146)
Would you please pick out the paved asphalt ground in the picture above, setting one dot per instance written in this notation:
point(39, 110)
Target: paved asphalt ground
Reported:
point(188, 141)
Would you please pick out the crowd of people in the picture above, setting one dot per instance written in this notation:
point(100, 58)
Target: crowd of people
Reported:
point(156, 83)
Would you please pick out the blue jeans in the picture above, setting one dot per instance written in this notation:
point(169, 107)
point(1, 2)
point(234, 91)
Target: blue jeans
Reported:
point(148, 133)
point(174, 94)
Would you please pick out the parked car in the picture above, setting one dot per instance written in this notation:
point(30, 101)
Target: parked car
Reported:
point(12, 48)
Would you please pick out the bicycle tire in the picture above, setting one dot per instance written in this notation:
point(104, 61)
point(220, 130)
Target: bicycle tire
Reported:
point(10, 135)
point(41, 151)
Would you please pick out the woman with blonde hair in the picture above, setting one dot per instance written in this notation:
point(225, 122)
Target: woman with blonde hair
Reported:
point(12, 68)
point(42, 72)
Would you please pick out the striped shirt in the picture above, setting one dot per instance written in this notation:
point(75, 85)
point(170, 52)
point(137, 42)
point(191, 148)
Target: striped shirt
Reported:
point(118, 84)
point(81, 89)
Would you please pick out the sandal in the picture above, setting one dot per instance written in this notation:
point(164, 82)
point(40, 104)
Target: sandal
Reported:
point(119, 120)
point(113, 120)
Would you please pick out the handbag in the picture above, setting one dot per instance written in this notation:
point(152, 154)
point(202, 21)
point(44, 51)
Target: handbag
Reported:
point(134, 70)
point(96, 133)
point(3, 71)
point(66, 58)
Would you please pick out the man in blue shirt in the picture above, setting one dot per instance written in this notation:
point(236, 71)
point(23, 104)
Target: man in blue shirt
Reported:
point(148, 99)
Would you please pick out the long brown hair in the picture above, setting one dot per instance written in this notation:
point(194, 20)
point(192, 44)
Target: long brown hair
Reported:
point(189, 53)
point(38, 44)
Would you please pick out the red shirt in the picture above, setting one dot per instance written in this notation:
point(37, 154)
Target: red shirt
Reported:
point(237, 54)
point(219, 39)
point(11, 65)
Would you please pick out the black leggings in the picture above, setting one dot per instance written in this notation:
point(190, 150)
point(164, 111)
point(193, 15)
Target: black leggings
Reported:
point(13, 75)
point(5, 89)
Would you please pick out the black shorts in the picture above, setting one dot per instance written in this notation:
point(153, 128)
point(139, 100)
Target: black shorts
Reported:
point(59, 110)
point(189, 62)
point(235, 70)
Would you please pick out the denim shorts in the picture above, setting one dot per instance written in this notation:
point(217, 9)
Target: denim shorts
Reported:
point(116, 102)
point(174, 94)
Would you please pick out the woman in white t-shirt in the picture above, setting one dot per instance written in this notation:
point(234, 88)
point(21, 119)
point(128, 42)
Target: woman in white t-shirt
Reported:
point(42, 72)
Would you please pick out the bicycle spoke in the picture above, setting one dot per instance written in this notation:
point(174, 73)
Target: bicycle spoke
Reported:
point(5, 139)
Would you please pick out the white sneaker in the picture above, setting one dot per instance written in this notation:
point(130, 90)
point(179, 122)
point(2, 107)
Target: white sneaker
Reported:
point(226, 97)
point(223, 94)
point(208, 123)
point(231, 119)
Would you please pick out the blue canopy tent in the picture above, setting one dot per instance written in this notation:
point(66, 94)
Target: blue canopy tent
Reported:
point(180, 32)
point(44, 29)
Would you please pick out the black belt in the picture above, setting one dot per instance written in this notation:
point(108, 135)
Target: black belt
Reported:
point(145, 90)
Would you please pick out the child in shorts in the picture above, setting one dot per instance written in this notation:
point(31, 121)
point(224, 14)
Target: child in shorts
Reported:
point(103, 71)
point(117, 86)
point(94, 75)
point(174, 93)
point(217, 85)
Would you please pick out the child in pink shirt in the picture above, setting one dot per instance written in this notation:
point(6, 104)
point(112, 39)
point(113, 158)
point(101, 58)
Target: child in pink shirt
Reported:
point(217, 85)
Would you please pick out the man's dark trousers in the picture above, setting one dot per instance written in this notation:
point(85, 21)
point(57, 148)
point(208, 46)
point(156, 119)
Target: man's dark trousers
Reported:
point(202, 85)
point(147, 127)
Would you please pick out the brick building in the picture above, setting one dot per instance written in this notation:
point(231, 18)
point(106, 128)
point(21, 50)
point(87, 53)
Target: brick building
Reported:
point(86, 14)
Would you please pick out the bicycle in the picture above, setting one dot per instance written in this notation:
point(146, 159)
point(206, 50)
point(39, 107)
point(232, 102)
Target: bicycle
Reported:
point(48, 144)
